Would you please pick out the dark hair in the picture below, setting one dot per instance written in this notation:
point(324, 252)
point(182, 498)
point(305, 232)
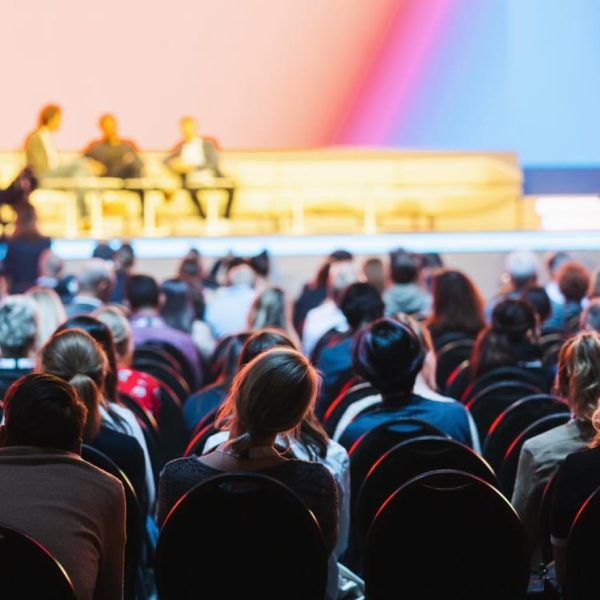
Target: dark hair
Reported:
point(47, 113)
point(389, 356)
point(142, 291)
point(431, 260)
point(361, 303)
point(261, 341)
point(43, 410)
point(190, 267)
point(225, 357)
point(404, 266)
point(556, 259)
point(539, 299)
point(125, 256)
point(375, 273)
point(261, 263)
point(178, 308)
point(322, 275)
point(513, 321)
point(103, 251)
point(573, 280)
point(457, 304)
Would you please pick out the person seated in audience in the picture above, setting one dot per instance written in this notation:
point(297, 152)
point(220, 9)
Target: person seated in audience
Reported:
point(458, 308)
point(578, 381)
point(311, 442)
point(271, 309)
point(73, 509)
point(389, 355)
point(590, 316)
point(405, 295)
point(228, 309)
point(538, 297)
point(360, 304)
point(141, 387)
point(50, 310)
point(50, 269)
point(95, 283)
point(573, 282)
point(124, 261)
point(374, 273)
point(429, 263)
point(23, 251)
point(328, 315)
point(145, 299)
point(553, 263)
point(18, 334)
point(270, 396)
point(315, 292)
point(75, 357)
point(210, 397)
point(577, 478)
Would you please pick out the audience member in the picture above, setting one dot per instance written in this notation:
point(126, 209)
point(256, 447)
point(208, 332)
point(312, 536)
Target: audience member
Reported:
point(458, 308)
point(18, 332)
point(124, 260)
point(578, 381)
point(553, 264)
point(405, 295)
point(594, 291)
point(144, 299)
point(95, 284)
point(429, 263)
point(23, 251)
point(374, 273)
point(261, 265)
point(271, 309)
point(389, 355)
point(69, 506)
point(538, 297)
point(50, 310)
point(50, 269)
point(270, 396)
point(590, 317)
point(573, 282)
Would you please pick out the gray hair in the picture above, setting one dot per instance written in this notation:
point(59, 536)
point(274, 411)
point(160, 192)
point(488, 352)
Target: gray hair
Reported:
point(18, 326)
point(94, 272)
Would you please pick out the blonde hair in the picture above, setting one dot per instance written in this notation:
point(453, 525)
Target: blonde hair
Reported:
point(269, 395)
point(74, 356)
point(119, 326)
point(578, 375)
point(51, 313)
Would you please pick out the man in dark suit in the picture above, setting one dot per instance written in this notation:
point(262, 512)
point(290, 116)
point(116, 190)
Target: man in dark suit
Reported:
point(195, 155)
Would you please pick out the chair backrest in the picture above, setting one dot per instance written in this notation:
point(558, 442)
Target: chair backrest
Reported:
point(166, 375)
point(134, 525)
point(185, 368)
point(515, 419)
point(353, 393)
point(28, 570)
point(450, 356)
point(508, 470)
point(241, 535)
point(447, 534)
point(499, 375)
point(155, 353)
point(407, 460)
point(171, 426)
point(457, 381)
point(197, 443)
point(487, 405)
point(544, 528)
point(583, 552)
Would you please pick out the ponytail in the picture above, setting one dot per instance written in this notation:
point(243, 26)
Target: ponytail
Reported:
point(88, 393)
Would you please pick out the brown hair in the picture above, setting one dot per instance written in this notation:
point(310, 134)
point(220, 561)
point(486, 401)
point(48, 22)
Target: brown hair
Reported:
point(573, 280)
point(47, 113)
point(271, 394)
point(74, 356)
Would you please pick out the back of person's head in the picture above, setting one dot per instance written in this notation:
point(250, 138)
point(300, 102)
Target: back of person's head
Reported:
point(125, 256)
point(522, 268)
point(270, 395)
point(457, 303)
point(389, 356)
point(573, 280)
point(51, 312)
point(75, 357)
point(269, 310)
point(555, 260)
point(404, 267)
point(190, 269)
point(261, 264)
point(374, 273)
point(261, 341)
point(515, 318)
point(177, 309)
point(590, 317)
point(102, 334)
point(225, 357)
point(104, 251)
point(114, 318)
point(539, 299)
point(360, 303)
point(341, 274)
point(142, 291)
point(18, 326)
point(97, 278)
point(322, 276)
point(47, 113)
point(578, 373)
point(45, 411)
point(50, 264)
point(240, 273)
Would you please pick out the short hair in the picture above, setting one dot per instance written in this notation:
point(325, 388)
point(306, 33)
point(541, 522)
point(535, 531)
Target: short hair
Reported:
point(539, 299)
point(142, 291)
point(114, 318)
point(18, 326)
point(94, 272)
point(50, 264)
point(404, 266)
point(556, 260)
point(522, 267)
point(573, 280)
point(361, 303)
point(590, 317)
point(261, 341)
point(43, 410)
point(48, 113)
point(389, 356)
point(103, 251)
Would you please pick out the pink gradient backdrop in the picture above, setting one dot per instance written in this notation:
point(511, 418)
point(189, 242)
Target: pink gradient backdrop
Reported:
point(256, 73)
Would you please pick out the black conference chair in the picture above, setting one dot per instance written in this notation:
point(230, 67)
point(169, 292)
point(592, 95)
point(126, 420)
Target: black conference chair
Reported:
point(458, 381)
point(197, 443)
point(515, 419)
point(166, 375)
point(499, 375)
point(180, 359)
point(487, 405)
point(544, 521)
point(134, 525)
point(450, 356)
point(583, 552)
point(508, 470)
point(28, 570)
point(155, 353)
point(237, 536)
point(447, 534)
point(171, 426)
point(338, 407)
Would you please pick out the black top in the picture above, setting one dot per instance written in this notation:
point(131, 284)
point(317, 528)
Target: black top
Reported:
point(577, 478)
point(198, 405)
point(9, 375)
point(22, 259)
point(313, 483)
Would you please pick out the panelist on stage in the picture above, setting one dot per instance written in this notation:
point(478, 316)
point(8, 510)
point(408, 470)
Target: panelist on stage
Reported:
point(197, 155)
